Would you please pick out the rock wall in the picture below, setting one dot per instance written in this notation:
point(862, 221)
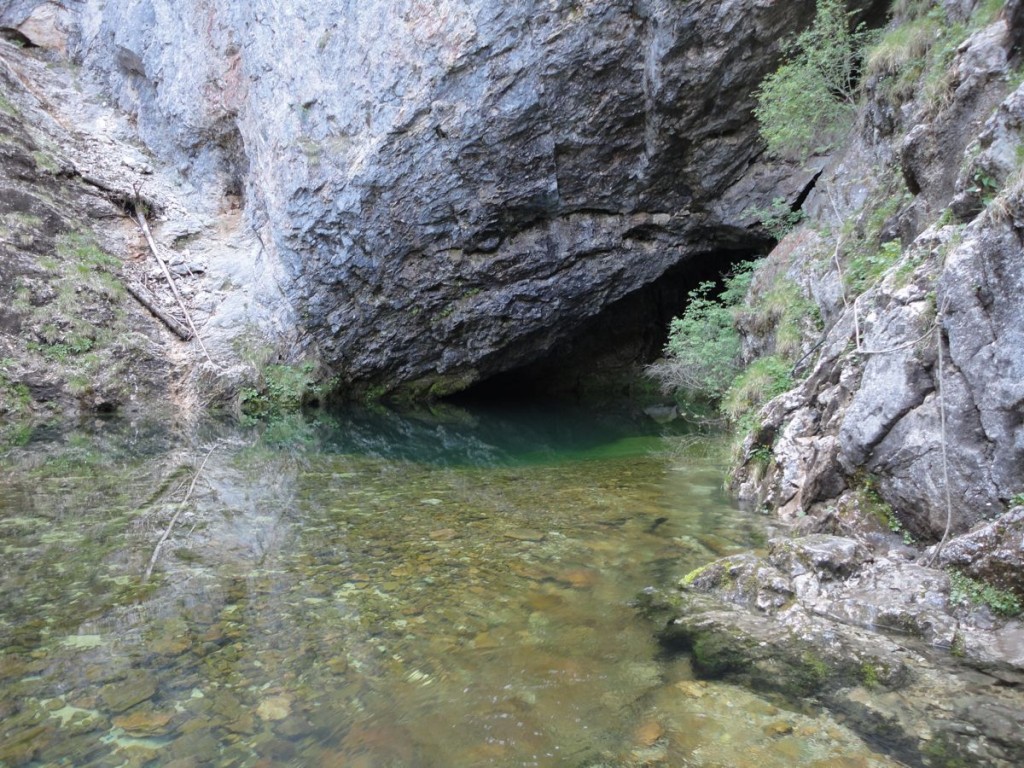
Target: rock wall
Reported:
point(72, 340)
point(917, 389)
point(898, 458)
point(453, 187)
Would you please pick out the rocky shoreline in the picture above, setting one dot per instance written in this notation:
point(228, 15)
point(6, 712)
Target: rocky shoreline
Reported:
point(865, 631)
point(897, 458)
point(495, 185)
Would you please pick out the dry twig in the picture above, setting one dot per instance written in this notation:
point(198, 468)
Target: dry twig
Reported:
point(171, 322)
point(144, 226)
point(174, 518)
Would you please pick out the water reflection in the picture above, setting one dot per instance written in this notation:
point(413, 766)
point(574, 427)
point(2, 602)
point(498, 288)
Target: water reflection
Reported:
point(364, 589)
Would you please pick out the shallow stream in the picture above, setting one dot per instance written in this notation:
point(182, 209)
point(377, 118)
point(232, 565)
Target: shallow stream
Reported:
point(368, 589)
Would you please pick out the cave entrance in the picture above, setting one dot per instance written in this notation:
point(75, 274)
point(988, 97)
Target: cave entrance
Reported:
point(604, 357)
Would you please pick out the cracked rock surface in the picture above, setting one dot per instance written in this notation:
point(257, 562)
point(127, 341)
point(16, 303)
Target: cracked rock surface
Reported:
point(452, 188)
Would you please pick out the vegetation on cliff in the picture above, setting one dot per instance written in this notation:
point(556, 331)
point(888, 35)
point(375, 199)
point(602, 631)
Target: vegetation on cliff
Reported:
point(900, 430)
point(808, 103)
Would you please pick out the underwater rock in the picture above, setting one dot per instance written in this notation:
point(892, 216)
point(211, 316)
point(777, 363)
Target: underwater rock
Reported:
point(873, 638)
point(137, 687)
point(144, 723)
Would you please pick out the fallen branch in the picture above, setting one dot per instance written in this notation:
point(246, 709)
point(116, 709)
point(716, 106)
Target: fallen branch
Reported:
point(942, 441)
point(174, 519)
point(839, 269)
point(144, 226)
point(171, 322)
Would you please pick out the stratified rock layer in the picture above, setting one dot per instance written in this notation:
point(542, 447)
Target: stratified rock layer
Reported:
point(868, 635)
point(456, 186)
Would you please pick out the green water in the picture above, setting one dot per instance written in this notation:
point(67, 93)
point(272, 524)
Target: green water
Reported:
point(370, 589)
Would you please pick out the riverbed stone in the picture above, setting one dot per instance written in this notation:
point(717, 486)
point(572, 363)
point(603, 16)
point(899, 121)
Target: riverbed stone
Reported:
point(136, 687)
point(21, 746)
point(198, 744)
point(525, 534)
point(274, 707)
point(144, 722)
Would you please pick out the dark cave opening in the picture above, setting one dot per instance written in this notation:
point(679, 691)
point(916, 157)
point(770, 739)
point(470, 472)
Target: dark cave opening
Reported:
point(604, 357)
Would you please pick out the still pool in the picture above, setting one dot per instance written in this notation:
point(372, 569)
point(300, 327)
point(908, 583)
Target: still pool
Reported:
point(369, 589)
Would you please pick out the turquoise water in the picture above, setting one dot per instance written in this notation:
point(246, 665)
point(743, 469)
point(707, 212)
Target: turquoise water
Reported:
point(439, 588)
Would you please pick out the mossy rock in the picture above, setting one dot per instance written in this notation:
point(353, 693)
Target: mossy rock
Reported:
point(765, 654)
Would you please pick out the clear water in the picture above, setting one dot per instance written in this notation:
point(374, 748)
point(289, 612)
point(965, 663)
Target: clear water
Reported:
point(446, 588)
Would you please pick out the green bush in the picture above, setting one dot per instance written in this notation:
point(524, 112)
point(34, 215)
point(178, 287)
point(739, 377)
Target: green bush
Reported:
point(703, 349)
point(778, 219)
point(808, 102)
point(963, 589)
point(284, 389)
point(898, 59)
point(784, 316)
point(762, 380)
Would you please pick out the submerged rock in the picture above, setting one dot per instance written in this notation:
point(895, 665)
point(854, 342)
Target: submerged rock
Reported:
point(873, 638)
point(137, 687)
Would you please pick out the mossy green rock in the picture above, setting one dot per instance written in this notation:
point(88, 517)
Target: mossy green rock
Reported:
point(123, 695)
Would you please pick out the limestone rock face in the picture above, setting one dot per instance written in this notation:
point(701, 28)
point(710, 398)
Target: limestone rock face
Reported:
point(71, 339)
point(918, 387)
point(455, 186)
point(867, 634)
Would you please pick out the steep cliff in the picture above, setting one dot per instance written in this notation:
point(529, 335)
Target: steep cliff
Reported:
point(451, 188)
point(912, 251)
point(71, 337)
point(898, 457)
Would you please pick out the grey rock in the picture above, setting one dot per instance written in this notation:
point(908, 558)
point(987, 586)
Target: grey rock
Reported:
point(924, 154)
point(980, 292)
point(72, 342)
point(454, 191)
point(868, 637)
point(827, 557)
point(891, 396)
point(993, 553)
point(992, 158)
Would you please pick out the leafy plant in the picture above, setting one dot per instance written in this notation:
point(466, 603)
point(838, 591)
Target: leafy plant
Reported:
point(810, 98)
point(703, 348)
point(869, 247)
point(782, 315)
point(762, 380)
point(83, 250)
point(778, 219)
point(866, 267)
point(965, 590)
point(762, 456)
point(871, 502)
point(15, 404)
point(985, 184)
point(899, 57)
point(284, 388)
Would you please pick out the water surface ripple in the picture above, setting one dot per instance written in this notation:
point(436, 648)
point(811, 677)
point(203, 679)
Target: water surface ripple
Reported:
point(444, 588)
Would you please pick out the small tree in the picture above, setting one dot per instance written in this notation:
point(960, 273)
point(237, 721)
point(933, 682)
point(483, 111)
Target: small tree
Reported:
point(702, 356)
point(807, 102)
